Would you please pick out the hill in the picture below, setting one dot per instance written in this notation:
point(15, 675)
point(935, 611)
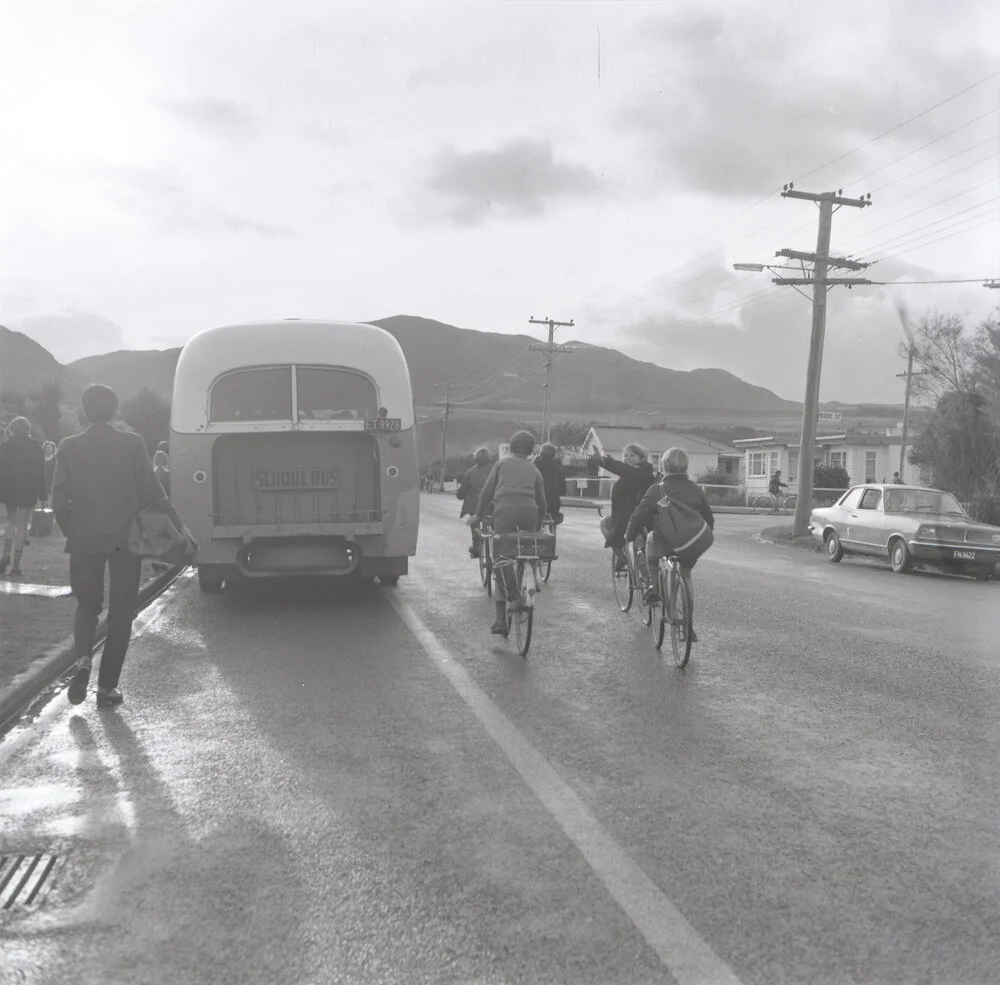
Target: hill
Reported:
point(25, 366)
point(496, 372)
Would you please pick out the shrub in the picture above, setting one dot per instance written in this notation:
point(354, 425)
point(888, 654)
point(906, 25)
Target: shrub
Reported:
point(712, 477)
point(830, 477)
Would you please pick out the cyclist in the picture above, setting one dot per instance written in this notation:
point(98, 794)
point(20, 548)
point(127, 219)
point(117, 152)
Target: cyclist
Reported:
point(676, 485)
point(635, 477)
point(554, 479)
point(774, 487)
point(470, 488)
point(516, 490)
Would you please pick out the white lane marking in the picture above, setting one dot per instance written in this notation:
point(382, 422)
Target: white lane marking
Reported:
point(686, 955)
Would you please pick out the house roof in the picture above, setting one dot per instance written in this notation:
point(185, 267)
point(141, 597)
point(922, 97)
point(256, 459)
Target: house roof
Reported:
point(657, 439)
point(844, 438)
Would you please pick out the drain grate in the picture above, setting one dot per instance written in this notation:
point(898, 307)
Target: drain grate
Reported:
point(25, 878)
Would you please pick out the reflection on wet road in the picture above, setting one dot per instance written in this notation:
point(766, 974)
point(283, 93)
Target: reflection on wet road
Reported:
point(310, 783)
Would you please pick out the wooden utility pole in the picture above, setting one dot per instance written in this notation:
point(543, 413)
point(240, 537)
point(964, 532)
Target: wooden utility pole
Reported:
point(444, 430)
point(909, 374)
point(821, 283)
point(549, 350)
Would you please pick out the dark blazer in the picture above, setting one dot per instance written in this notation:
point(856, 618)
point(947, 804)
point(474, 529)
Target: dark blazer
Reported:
point(103, 478)
point(633, 481)
point(677, 486)
point(554, 480)
point(22, 472)
point(471, 486)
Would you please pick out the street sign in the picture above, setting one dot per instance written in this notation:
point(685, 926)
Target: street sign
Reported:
point(543, 347)
point(829, 415)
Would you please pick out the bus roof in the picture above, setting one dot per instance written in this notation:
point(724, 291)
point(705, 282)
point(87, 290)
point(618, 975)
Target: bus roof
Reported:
point(353, 345)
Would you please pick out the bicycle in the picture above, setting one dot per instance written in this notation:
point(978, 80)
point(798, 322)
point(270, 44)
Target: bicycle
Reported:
point(486, 554)
point(770, 504)
point(526, 560)
point(672, 605)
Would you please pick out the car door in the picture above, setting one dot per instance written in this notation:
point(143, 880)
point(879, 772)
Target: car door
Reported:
point(843, 514)
point(867, 523)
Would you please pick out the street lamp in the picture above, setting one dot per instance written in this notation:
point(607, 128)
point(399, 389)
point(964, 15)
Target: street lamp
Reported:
point(757, 268)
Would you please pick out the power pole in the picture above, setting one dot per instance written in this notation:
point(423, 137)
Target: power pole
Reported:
point(549, 350)
point(909, 374)
point(444, 430)
point(821, 283)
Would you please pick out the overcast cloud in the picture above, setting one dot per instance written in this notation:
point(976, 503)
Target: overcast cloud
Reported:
point(169, 166)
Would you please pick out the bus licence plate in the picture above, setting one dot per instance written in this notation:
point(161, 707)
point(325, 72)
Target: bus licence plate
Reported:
point(275, 480)
point(381, 424)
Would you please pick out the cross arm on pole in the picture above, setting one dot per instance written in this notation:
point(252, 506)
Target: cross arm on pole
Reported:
point(843, 281)
point(830, 261)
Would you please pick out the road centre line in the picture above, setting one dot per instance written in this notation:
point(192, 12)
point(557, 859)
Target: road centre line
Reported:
point(685, 954)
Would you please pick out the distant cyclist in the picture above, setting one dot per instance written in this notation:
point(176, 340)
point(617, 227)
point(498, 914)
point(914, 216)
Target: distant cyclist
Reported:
point(774, 487)
point(677, 486)
point(554, 479)
point(470, 488)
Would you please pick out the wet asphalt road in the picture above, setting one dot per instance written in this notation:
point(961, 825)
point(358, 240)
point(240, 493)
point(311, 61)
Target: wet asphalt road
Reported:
point(313, 785)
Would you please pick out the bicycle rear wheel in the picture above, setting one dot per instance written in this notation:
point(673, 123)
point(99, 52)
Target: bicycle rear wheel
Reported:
point(520, 614)
point(621, 580)
point(680, 622)
point(762, 504)
point(546, 570)
point(486, 566)
point(657, 615)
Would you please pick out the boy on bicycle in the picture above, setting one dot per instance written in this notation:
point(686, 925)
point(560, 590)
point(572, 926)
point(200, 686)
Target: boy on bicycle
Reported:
point(677, 486)
point(774, 487)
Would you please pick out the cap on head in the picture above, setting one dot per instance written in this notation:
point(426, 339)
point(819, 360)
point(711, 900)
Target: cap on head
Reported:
point(100, 403)
point(522, 443)
point(20, 425)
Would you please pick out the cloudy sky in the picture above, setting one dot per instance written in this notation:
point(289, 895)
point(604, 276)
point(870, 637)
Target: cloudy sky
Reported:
point(167, 166)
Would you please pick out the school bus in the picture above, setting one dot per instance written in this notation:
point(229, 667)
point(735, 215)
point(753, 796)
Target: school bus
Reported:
point(293, 451)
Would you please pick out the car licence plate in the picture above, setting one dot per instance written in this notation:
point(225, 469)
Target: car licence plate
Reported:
point(964, 555)
point(381, 424)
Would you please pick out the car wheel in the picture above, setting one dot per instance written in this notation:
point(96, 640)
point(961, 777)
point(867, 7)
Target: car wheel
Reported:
point(985, 573)
point(834, 549)
point(899, 556)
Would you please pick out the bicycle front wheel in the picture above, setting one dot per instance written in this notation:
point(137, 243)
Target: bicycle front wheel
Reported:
point(643, 581)
point(762, 504)
point(546, 570)
point(790, 503)
point(621, 580)
point(680, 622)
point(486, 566)
point(657, 615)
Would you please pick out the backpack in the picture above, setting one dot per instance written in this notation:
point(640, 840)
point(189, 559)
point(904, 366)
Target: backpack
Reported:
point(683, 529)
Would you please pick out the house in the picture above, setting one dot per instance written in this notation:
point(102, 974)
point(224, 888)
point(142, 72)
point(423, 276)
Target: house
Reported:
point(867, 457)
point(703, 455)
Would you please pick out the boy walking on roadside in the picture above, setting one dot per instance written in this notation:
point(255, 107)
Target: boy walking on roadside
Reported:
point(22, 485)
point(103, 478)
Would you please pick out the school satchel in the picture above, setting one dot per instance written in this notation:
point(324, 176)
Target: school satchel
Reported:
point(525, 543)
point(154, 536)
point(42, 522)
point(684, 529)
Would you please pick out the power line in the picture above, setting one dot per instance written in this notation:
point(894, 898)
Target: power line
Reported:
point(899, 126)
point(941, 239)
point(902, 238)
point(893, 283)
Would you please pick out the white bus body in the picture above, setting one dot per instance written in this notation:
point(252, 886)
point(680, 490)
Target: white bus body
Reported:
point(293, 452)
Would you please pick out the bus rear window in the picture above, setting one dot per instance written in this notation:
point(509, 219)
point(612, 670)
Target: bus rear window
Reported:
point(253, 395)
point(334, 395)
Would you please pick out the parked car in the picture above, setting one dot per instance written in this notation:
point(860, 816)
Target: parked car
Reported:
point(910, 526)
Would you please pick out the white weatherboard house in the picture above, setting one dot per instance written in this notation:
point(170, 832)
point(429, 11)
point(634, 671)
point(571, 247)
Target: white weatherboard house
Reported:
point(866, 457)
point(703, 455)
